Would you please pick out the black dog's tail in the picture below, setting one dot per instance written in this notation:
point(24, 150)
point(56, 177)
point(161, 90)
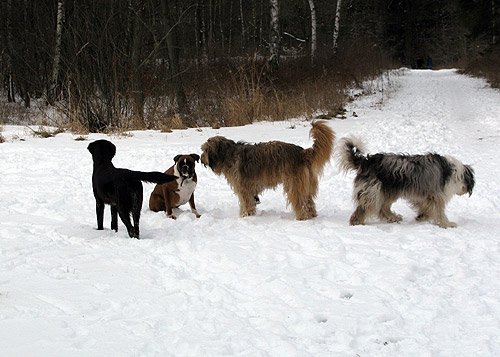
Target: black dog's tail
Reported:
point(152, 177)
point(351, 153)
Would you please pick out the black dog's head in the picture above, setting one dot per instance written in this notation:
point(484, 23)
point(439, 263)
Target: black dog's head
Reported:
point(185, 164)
point(102, 150)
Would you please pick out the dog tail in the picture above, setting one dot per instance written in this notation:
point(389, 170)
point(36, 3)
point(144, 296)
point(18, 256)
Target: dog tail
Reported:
point(322, 148)
point(351, 153)
point(151, 177)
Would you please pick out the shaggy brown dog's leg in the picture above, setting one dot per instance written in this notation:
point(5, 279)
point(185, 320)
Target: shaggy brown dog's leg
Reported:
point(311, 208)
point(295, 196)
point(247, 204)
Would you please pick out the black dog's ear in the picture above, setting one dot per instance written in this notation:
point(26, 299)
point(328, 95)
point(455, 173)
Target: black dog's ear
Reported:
point(177, 158)
point(195, 157)
point(91, 147)
point(113, 150)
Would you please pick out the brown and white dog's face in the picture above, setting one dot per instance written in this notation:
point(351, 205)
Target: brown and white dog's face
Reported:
point(185, 165)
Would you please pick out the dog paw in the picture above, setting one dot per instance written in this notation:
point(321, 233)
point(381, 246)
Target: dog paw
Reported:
point(247, 214)
point(447, 224)
point(395, 218)
point(355, 222)
point(421, 218)
point(172, 216)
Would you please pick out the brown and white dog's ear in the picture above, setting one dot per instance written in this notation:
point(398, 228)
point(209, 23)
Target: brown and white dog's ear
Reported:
point(195, 157)
point(177, 158)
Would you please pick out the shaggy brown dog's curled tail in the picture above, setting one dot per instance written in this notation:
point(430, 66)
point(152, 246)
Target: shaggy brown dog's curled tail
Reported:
point(322, 147)
point(351, 152)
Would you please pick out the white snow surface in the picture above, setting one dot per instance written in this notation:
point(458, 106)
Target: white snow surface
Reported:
point(266, 285)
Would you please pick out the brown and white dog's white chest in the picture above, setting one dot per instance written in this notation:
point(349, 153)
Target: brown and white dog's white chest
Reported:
point(185, 187)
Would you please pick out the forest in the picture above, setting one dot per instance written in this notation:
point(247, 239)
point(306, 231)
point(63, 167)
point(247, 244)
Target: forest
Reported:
point(99, 66)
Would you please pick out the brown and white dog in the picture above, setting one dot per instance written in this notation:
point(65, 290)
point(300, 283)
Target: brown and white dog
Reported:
point(252, 168)
point(176, 193)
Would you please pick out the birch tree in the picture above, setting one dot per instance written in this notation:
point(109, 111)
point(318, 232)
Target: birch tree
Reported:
point(275, 34)
point(313, 30)
point(57, 53)
point(336, 27)
point(11, 97)
point(242, 20)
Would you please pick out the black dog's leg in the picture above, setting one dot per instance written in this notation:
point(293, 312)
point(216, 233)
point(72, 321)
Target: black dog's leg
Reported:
point(136, 215)
point(114, 218)
point(125, 217)
point(99, 210)
point(136, 211)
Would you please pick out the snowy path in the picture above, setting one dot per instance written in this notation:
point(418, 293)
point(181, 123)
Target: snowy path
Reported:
point(264, 285)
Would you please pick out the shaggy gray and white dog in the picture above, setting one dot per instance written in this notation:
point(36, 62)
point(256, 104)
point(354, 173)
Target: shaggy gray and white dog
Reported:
point(427, 181)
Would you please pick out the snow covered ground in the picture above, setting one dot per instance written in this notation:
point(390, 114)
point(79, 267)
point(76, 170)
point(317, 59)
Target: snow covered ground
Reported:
point(263, 285)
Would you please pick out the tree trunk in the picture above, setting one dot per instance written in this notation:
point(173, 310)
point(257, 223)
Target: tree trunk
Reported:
point(313, 30)
point(173, 56)
point(243, 32)
point(11, 96)
point(57, 53)
point(493, 23)
point(25, 83)
point(336, 27)
point(138, 97)
point(275, 35)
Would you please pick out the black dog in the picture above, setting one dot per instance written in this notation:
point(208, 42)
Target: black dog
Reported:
point(120, 188)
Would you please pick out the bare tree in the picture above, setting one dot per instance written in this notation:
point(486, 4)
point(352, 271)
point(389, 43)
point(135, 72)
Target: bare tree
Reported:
point(171, 29)
point(493, 24)
point(275, 34)
point(138, 97)
point(11, 97)
point(313, 30)
point(242, 20)
point(336, 26)
point(57, 53)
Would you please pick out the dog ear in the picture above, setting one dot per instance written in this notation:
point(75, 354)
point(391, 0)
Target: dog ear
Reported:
point(113, 150)
point(469, 178)
point(177, 158)
point(195, 157)
point(91, 147)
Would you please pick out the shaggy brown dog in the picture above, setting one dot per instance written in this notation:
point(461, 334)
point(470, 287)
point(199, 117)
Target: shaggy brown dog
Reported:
point(252, 168)
point(427, 181)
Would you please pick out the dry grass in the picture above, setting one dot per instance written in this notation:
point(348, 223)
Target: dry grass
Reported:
point(234, 92)
point(2, 138)
point(248, 93)
point(486, 66)
point(45, 132)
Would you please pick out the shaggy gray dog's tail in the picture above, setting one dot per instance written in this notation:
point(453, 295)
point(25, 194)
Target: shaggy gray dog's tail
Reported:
point(351, 152)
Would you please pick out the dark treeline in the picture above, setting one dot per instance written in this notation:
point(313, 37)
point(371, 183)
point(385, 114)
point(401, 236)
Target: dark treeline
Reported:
point(123, 63)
